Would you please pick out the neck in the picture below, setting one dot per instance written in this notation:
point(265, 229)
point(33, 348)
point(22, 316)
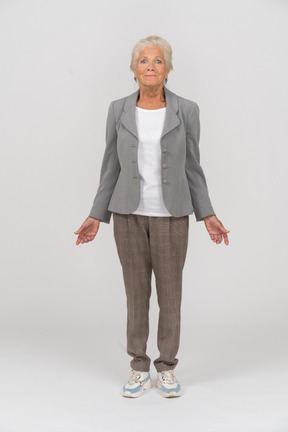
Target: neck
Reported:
point(151, 94)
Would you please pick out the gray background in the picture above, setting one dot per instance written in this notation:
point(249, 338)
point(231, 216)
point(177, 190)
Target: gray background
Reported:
point(63, 307)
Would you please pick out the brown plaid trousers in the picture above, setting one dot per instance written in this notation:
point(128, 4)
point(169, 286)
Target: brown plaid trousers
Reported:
point(145, 243)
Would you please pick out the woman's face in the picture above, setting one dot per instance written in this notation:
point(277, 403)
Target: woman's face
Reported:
point(151, 66)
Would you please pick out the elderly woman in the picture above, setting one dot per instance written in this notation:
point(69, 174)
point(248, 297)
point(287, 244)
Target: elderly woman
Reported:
point(151, 180)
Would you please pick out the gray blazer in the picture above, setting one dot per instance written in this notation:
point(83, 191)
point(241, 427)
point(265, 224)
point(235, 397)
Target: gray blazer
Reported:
point(183, 182)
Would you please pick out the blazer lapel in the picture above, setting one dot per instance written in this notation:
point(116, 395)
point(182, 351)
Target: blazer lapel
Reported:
point(128, 118)
point(171, 120)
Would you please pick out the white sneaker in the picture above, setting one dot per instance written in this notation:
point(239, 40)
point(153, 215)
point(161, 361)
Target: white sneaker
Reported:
point(137, 383)
point(167, 384)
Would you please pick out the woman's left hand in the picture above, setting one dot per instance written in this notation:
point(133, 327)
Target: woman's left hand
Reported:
point(216, 230)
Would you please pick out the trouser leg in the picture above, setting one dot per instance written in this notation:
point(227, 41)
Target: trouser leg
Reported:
point(132, 241)
point(168, 243)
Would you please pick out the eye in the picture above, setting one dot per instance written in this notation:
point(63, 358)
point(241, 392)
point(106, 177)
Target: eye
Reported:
point(142, 61)
point(159, 61)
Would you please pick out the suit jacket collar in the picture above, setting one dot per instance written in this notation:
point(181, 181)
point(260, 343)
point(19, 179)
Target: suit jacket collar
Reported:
point(171, 119)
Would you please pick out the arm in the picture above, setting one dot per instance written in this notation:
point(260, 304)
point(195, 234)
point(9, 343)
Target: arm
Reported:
point(197, 182)
point(109, 172)
point(194, 172)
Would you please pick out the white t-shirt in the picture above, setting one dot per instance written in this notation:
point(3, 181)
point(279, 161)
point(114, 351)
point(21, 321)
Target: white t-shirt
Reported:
point(150, 126)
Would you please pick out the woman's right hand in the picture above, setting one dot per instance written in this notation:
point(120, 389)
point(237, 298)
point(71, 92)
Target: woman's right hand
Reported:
point(88, 230)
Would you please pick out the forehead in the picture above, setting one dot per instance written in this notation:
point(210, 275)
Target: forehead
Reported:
point(153, 50)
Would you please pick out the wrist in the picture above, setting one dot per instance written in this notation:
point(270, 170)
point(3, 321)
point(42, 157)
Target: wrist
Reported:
point(209, 217)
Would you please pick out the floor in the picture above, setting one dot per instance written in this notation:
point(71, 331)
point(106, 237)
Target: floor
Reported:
point(59, 383)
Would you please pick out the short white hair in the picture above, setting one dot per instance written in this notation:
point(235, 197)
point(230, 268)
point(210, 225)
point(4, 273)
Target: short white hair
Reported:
point(149, 41)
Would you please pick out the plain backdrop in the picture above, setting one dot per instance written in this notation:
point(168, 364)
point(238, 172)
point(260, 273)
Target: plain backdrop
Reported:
point(62, 63)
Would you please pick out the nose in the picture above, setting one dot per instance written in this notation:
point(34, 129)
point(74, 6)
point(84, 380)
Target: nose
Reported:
point(150, 66)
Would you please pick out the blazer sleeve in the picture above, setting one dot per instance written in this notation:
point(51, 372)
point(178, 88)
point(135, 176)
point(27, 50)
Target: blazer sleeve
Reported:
point(110, 170)
point(194, 172)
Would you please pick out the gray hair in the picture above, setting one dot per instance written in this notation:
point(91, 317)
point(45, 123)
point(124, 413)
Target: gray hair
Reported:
point(149, 41)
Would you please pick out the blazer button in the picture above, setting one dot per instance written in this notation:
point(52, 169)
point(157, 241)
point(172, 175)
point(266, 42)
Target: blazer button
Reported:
point(164, 150)
point(164, 165)
point(165, 181)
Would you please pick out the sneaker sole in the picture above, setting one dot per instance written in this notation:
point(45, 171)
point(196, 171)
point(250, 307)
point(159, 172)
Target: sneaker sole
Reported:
point(146, 386)
point(171, 394)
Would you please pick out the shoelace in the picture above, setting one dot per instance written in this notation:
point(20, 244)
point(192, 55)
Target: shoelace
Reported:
point(168, 377)
point(135, 377)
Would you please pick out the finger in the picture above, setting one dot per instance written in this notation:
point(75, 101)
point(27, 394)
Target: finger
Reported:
point(226, 240)
point(221, 224)
point(81, 238)
point(224, 229)
point(221, 227)
point(78, 231)
point(219, 238)
point(93, 233)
